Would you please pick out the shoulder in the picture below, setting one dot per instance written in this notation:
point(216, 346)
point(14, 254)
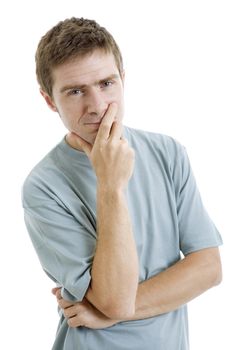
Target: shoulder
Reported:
point(38, 182)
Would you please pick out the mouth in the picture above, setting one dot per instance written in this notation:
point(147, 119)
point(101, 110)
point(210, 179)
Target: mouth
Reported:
point(93, 123)
point(93, 126)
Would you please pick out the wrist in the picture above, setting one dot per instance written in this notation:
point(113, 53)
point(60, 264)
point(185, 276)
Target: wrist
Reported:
point(111, 191)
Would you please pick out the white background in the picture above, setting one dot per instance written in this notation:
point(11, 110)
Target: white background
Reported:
point(179, 81)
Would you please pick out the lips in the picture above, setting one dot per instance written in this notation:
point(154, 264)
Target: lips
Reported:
point(93, 123)
point(93, 126)
point(87, 122)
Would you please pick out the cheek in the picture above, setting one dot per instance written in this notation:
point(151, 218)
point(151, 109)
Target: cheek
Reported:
point(70, 112)
point(121, 107)
point(69, 119)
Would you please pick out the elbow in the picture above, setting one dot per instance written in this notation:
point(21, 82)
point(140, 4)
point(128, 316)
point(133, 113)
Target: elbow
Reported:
point(119, 311)
point(215, 272)
point(210, 267)
point(114, 308)
point(120, 307)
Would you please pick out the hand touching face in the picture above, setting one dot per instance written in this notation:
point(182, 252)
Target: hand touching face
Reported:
point(110, 155)
point(83, 90)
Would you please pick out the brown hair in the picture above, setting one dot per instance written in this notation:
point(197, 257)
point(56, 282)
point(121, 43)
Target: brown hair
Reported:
point(68, 39)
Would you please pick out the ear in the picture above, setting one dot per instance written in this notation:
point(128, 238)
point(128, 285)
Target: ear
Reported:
point(49, 101)
point(123, 77)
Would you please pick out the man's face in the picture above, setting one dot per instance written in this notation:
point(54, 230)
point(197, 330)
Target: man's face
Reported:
point(82, 91)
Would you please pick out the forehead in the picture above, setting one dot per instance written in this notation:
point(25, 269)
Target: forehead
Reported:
point(85, 70)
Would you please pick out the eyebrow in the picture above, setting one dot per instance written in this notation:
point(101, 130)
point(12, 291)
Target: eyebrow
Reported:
point(77, 86)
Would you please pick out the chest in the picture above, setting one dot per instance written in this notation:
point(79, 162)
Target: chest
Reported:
point(152, 205)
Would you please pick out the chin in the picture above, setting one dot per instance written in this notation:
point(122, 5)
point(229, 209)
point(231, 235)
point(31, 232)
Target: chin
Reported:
point(91, 139)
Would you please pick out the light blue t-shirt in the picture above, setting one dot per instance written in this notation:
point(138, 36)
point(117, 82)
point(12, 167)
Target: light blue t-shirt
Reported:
point(168, 217)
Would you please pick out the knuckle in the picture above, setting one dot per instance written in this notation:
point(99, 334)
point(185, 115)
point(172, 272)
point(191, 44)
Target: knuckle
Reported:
point(60, 303)
point(66, 313)
point(105, 131)
point(63, 304)
point(71, 322)
point(58, 293)
point(132, 152)
point(104, 126)
point(111, 149)
point(124, 141)
point(102, 145)
point(111, 142)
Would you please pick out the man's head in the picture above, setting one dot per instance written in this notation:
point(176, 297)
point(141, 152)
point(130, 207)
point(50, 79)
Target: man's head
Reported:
point(80, 72)
point(70, 39)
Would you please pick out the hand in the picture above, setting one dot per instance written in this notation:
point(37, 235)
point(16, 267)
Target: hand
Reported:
point(111, 156)
point(82, 314)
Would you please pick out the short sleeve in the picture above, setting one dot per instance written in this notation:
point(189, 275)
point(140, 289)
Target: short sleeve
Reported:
point(196, 229)
point(65, 248)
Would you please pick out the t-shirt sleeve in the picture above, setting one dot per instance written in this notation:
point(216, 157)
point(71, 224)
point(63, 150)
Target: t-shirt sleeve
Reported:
point(65, 248)
point(196, 229)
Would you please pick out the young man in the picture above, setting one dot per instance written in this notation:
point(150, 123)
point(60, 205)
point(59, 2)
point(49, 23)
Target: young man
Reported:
point(110, 209)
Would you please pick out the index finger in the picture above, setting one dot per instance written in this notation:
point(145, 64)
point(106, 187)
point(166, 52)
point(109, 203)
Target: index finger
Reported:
point(117, 130)
point(106, 123)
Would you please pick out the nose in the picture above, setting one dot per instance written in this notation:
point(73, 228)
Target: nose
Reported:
point(96, 103)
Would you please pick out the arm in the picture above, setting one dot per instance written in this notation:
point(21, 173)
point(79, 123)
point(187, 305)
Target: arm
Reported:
point(179, 284)
point(82, 314)
point(164, 292)
point(115, 262)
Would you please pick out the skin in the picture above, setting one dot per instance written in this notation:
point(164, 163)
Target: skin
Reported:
point(88, 95)
point(113, 162)
point(82, 92)
point(162, 293)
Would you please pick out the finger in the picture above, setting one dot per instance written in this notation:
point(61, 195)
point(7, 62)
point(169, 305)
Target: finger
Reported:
point(70, 311)
point(58, 294)
point(74, 322)
point(116, 131)
point(64, 303)
point(124, 140)
point(54, 290)
point(106, 123)
point(79, 143)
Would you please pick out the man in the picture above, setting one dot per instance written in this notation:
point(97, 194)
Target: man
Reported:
point(110, 209)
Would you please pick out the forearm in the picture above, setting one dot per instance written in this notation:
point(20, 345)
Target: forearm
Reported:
point(162, 293)
point(178, 284)
point(115, 266)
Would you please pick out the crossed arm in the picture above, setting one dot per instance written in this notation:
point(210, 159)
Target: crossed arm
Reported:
point(114, 294)
point(165, 292)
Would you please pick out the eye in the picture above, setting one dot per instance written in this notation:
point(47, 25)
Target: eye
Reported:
point(106, 83)
point(75, 92)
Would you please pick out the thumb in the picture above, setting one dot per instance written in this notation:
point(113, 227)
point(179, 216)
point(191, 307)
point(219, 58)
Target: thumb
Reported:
point(79, 143)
